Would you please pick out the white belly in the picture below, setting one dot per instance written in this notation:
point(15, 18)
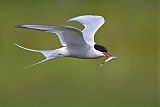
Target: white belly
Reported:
point(87, 53)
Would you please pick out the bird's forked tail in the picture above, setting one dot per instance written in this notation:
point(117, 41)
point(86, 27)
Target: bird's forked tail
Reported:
point(49, 54)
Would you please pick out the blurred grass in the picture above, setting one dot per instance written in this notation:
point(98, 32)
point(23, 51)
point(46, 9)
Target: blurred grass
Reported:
point(130, 33)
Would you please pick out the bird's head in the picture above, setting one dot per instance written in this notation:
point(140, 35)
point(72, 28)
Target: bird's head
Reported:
point(103, 50)
point(105, 53)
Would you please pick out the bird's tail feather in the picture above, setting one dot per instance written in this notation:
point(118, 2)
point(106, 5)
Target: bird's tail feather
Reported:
point(46, 53)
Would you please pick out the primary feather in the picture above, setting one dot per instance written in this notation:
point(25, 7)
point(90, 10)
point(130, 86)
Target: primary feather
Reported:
point(92, 24)
point(69, 36)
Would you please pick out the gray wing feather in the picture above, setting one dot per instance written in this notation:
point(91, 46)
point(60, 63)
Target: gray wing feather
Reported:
point(92, 24)
point(69, 36)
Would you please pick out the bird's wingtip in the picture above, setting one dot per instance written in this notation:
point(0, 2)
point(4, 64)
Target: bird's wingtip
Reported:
point(18, 26)
point(70, 20)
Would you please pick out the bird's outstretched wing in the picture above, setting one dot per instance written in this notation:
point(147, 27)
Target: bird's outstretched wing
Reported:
point(68, 36)
point(92, 24)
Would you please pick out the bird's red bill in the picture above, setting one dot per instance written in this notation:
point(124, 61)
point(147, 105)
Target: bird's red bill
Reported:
point(107, 54)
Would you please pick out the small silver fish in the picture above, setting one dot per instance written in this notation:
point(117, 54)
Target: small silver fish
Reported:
point(107, 60)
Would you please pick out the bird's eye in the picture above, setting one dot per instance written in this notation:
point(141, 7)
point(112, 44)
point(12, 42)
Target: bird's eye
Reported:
point(100, 48)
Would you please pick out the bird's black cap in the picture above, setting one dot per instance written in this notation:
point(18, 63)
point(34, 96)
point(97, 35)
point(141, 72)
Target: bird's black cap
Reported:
point(100, 48)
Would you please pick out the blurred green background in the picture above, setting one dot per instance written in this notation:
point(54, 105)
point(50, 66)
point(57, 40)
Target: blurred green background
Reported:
point(130, 33)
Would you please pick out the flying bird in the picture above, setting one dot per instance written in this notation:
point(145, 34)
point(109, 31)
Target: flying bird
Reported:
point(75, 43)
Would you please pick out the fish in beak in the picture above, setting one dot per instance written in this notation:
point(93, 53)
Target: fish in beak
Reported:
point(108, 57)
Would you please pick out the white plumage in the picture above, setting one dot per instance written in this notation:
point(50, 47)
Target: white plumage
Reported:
point(76, 43)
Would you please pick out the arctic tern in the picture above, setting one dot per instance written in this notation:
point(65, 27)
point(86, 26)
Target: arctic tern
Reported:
point(76, 43)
